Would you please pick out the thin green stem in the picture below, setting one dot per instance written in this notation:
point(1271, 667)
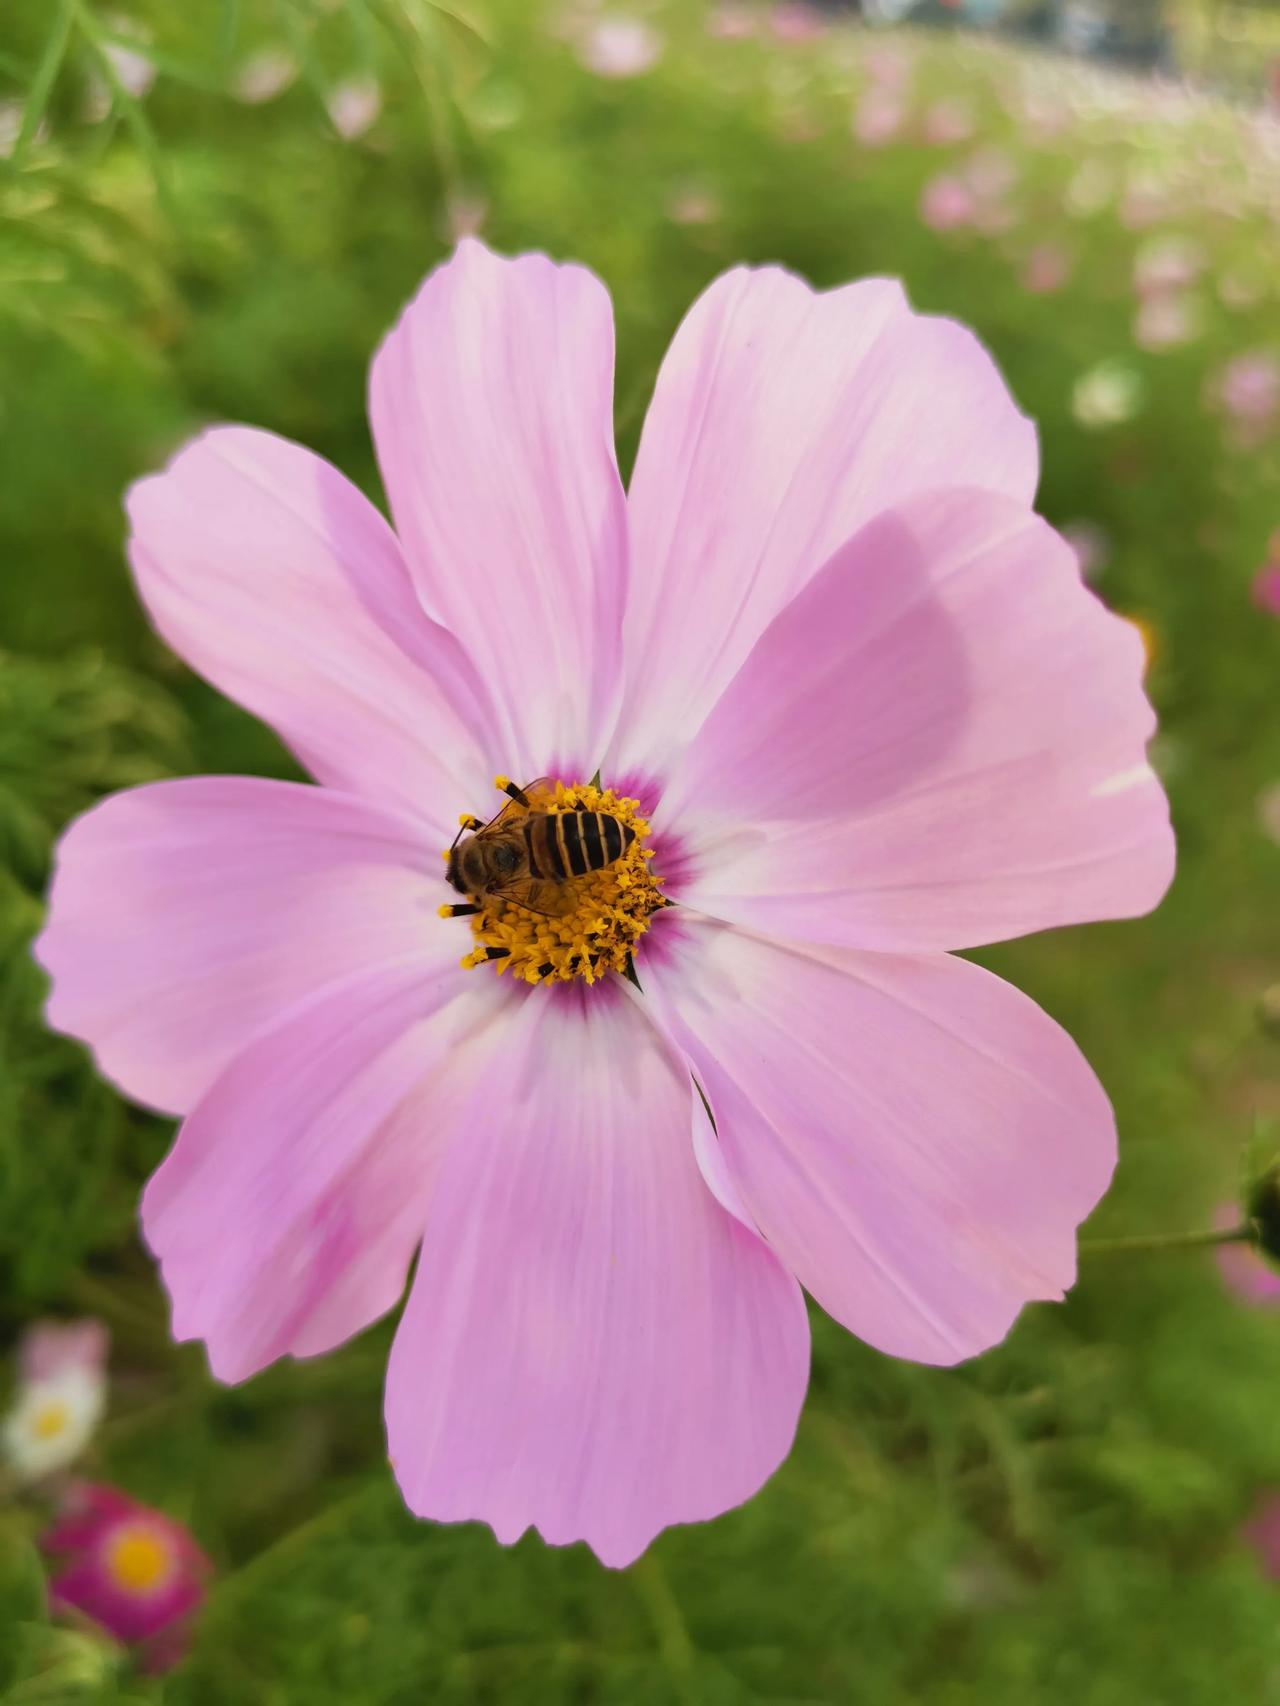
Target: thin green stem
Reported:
point(1242, 1234)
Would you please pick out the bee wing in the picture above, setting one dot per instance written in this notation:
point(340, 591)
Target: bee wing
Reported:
point(551, 900)
point(513, 811)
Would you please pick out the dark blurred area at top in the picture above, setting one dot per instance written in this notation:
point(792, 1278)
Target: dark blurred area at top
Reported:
point(1136, 34)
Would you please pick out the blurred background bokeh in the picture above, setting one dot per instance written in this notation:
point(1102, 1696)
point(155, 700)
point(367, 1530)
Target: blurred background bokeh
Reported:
point(212, 210)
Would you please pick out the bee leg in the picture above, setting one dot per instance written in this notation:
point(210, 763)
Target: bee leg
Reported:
point(458, 911)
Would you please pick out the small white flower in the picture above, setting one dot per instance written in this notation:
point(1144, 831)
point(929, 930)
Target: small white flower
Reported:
point(62, 1388)
point(52, 1422)
point(1106, 395)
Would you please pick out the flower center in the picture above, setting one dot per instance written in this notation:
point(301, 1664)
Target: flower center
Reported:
point(50, 1419)
point(560, 883)
point(137, 1559)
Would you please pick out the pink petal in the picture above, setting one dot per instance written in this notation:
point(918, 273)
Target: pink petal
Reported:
point(915, 1138)
point(275, 578)
point(50, 1349)
point(492, 411)
point(940, 742)
point(592, 1346)
point(287, 1212)
point(782, 421)
point(185, 915)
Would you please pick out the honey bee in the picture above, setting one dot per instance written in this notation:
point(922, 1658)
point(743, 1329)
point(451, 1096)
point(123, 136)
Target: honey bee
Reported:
point(531, 858)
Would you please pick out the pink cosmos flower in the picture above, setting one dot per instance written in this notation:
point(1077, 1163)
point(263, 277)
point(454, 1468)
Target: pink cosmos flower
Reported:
point(1243, 1270)
point(131, 1569)
point(818, 657)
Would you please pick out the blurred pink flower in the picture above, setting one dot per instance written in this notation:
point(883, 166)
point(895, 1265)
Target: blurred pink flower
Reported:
point(620, 47)
point(1166, 264)
point(828, 537)
point(791, 20)
point(354, 106)
point(135, 1572)
point(1243, 1270)
point(52, 1348)
point(1248, 391)
point(878, 117)
point(887, 64)
point(733, 22)
point(946, 122)
point(1266, 588)
point(1046, 269)
point(947, 202)
point(265, 75)
point(1162, 322)
point(693, 204)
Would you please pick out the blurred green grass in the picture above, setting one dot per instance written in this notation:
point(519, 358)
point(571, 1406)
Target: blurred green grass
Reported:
point(1056, 1522)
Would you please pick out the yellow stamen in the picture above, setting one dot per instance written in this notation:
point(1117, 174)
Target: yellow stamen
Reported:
point(138, 1559)
point(612, 909)
point(50, 1419)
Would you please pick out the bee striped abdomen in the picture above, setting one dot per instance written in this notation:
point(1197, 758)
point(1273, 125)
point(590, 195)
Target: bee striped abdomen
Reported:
point(570, 844)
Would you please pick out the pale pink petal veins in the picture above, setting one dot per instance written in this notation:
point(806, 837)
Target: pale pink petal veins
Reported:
point(286, 1215)
point(492, 412)
point(277, 580)
point(185, 915)
point(940, 742)
point(782, 421)
point(592, 1346)
point(913, 1136)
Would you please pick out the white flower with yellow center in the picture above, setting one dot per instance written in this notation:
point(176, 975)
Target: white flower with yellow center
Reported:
point(52, 1422)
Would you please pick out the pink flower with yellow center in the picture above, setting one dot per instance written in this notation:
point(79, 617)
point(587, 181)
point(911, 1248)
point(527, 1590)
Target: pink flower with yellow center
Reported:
point(815, 702)
point(132, 1570)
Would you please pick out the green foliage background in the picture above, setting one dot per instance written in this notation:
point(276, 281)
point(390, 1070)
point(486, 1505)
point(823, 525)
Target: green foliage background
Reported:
point(1057, 1522)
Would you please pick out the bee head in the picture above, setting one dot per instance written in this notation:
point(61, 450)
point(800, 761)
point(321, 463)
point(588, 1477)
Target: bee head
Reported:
point(453, 874)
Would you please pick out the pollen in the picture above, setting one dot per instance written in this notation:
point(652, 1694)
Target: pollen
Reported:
point(605, 912)
point(50, 1420)
point(137, 1559)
